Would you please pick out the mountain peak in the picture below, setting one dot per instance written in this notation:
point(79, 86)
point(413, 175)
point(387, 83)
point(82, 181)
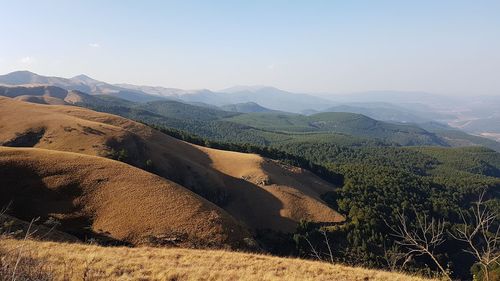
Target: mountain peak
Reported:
point(81, 76)
point(22, 77)
point(84, 78)
point(22, 72)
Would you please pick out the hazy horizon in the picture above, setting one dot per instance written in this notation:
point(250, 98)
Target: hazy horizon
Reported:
point(316, 47)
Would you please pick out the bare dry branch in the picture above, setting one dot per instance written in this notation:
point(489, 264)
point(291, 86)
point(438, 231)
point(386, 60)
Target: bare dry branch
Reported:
point(479, 232)
point(422, 238)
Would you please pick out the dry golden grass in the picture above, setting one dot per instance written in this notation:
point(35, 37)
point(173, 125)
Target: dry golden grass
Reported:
point(85, 262)
point(261, 193)
point(284, 195)
point(114, 199)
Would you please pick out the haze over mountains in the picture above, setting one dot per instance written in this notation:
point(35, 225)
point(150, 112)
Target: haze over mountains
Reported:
point(81, 83)
point(151, 166)
point(250, 140)
point(479, 117)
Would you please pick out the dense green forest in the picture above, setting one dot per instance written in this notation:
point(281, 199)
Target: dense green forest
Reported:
point(339, 122)
point(378, 180)
point(269, 128)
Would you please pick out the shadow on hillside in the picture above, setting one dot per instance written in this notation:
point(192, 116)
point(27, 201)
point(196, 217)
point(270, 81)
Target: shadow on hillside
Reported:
point(258, 208)
point(29, 198)
point(189, 166)
point(28, 138)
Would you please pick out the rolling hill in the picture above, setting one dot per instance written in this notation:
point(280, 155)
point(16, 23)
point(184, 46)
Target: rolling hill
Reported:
point(246, 107)
point(256, 191)
point(340, 122)
point(112, 199)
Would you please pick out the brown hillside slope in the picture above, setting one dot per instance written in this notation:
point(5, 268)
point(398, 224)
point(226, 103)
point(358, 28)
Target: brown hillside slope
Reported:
point(257, 191)
point(115, 199)
point(73, 261)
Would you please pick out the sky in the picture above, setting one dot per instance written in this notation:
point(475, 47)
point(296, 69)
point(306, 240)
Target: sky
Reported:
point(439, 46)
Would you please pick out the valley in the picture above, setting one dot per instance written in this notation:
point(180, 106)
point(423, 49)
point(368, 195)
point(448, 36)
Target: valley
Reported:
point(249, 140)
point(170, 173)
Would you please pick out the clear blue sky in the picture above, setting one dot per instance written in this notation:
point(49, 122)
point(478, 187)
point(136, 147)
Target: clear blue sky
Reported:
point(450, 47)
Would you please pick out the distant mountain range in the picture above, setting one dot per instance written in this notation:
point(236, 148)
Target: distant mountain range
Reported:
point(387, 105)
point(269, 97)
point(399, 97)
point(480, 116)
point(380, 111)
point(80, 83)
point(46, 95)
point(277, 99)
point(250, 122)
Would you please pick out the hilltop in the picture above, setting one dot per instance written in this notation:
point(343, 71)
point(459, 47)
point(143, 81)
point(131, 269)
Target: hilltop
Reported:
point(245, 107)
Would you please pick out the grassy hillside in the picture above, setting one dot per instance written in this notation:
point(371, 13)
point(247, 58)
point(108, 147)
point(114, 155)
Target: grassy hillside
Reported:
point(254, 190)
point(104, 199)
point(60, 261)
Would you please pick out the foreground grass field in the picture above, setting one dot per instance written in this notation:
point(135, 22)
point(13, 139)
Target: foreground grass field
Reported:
point(64, 261)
